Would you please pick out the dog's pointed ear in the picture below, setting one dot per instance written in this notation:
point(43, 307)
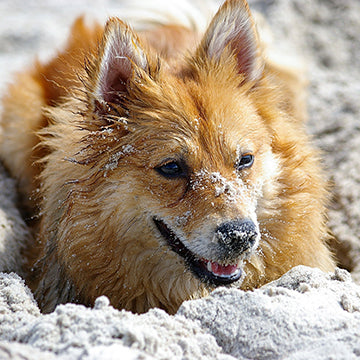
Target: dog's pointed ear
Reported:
point(233, 30)
point(120, 55)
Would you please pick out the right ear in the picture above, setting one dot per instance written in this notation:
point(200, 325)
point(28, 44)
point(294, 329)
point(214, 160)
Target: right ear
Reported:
point(233, 31)
point(119, 55)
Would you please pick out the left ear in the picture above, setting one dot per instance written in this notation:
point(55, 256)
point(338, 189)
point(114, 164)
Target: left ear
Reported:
point(119, 56)
point(233, 29)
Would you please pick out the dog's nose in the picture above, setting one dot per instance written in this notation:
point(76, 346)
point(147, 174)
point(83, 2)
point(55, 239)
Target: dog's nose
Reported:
point(237, 236)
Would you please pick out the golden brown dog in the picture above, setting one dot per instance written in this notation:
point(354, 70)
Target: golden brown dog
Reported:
point(170, 163)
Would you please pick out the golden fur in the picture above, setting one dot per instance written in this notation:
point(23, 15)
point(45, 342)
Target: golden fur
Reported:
point(92, 147)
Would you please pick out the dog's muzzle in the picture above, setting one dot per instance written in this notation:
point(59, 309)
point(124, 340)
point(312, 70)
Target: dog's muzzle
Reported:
point(233, 240)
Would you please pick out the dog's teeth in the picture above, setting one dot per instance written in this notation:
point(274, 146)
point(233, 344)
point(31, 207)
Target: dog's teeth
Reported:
point(222, 270)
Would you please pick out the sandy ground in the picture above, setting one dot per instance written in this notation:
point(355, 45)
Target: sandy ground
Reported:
point(306, 314)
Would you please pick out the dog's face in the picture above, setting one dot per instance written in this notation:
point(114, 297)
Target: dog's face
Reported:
point(199, 188)
point(205, 204)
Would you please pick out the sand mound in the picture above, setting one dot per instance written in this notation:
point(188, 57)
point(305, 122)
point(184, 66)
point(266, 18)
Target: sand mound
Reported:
point(305, 314)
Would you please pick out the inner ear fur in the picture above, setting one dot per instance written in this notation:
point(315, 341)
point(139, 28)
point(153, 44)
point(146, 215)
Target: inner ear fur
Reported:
point(233, 31)
point(120, 54)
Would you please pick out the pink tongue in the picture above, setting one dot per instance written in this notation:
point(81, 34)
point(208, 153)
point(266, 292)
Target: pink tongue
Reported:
point(221, 270)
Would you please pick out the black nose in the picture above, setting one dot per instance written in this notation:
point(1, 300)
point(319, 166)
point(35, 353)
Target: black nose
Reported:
point(237, 236)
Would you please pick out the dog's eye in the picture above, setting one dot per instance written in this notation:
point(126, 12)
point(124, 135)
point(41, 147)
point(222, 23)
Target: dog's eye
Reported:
point(245, 161)
point(171, 169)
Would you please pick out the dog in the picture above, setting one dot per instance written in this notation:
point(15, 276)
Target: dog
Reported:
point(162, 164)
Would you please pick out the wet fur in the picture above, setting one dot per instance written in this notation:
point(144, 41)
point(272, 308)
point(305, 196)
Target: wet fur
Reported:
point(85, 158)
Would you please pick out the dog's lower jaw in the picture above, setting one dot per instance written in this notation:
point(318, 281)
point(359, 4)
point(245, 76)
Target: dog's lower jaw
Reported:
point(207, 271)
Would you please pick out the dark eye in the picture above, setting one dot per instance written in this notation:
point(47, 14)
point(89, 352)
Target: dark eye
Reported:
point(171, 169)
point(245, 161)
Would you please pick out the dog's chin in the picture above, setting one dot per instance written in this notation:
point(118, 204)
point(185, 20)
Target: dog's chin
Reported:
point(207, 271)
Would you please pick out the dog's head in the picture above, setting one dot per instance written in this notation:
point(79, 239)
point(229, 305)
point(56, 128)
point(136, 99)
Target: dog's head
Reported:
point(180, 169)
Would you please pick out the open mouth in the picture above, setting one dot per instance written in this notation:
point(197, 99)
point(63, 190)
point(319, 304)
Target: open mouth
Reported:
point(207, 271)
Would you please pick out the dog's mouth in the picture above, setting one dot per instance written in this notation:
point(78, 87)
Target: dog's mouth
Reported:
point(207, 271)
